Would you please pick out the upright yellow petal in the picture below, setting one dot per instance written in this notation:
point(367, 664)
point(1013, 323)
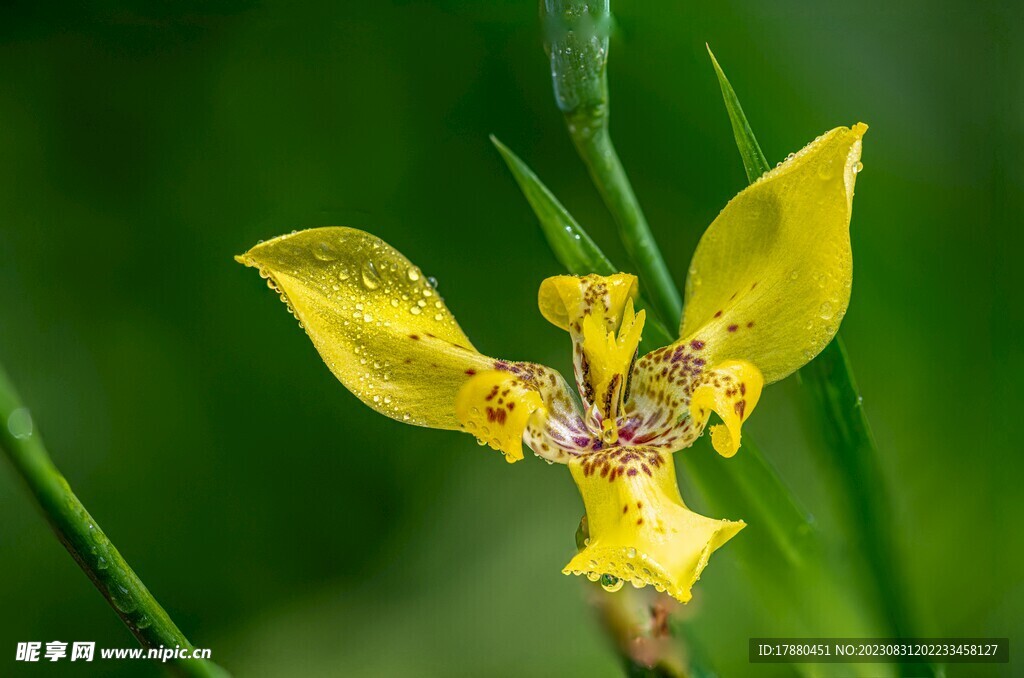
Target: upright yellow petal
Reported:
point(640, 529)
point(375, 319)
point(770, 280)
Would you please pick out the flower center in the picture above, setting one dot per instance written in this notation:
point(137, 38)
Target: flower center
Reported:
point(609, 358)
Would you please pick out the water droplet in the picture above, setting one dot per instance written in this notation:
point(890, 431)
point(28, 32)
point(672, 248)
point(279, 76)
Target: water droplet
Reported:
point(432, 281)
point(324, 252)
point(415, 310)
point(858, 168)
point(367, 318)
point(631, 552)
point(413, 274)
point(593, 576)
point(438, 317)
point(610, 583)
point(394, 302)
point(827, 310)
point(19, 423)
point(371, 278)
point(794, 275)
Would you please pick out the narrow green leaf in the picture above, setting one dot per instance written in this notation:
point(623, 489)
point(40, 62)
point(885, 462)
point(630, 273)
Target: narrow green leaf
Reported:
point(753, 159)
point(572, 246)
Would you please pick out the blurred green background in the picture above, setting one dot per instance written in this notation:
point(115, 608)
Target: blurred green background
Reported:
point(296, 532)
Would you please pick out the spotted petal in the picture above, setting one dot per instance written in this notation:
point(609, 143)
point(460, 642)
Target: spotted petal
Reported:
point(770, 280)
point(640, 529)
point(384, 331)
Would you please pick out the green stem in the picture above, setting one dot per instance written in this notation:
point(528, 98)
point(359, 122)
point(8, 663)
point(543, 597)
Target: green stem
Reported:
point(84, 539)
point(578, 48)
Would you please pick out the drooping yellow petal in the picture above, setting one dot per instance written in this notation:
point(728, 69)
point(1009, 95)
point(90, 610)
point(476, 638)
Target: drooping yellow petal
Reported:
point(731, 390)
point(770, 280)
point(378, 324)
point(496, 407)
point(640, 529)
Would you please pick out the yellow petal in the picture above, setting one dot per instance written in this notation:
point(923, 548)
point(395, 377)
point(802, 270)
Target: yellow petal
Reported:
point(496, 406)
point(565, 300)
point(378, 324)
point(640, 529)
point(770, 280)
point(731, 390)
point(597, 311)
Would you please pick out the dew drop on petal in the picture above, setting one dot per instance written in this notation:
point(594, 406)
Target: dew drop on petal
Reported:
point(324, 252)
point(371, 278)
point(611, 583)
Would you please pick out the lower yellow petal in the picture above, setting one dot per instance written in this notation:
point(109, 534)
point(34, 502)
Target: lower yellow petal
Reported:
point(640, 529)
point(731, 390)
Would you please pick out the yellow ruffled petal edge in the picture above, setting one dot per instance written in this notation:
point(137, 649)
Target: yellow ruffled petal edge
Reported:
point(731, 390)
point(770, 280)
point(496, 406)
point(640, 529)
point(382, 329)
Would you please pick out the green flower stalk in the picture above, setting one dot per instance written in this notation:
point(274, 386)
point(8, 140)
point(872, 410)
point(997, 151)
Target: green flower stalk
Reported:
point(577, 44)
point(82, 536)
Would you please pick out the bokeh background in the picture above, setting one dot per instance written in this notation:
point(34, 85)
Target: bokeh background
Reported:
point(294, 531)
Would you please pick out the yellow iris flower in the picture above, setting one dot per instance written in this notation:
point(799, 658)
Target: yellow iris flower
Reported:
point(766, 290)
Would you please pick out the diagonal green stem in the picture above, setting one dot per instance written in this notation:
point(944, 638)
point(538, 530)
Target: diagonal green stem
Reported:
point(84, 539)
point(577, 43)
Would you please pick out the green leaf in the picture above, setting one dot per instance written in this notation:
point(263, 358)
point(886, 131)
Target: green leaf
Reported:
point(572, 246)
point(753, 159)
